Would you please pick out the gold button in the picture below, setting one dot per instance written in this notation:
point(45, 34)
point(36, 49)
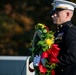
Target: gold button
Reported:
point(57, 30)
point(57, 41)
point(62, 70)
point(57, 27)
point(61, 26)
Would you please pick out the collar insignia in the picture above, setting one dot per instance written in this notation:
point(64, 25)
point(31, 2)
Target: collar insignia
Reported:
point(60, 34)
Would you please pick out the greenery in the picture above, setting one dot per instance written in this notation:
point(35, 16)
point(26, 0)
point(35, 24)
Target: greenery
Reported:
point(46, 50)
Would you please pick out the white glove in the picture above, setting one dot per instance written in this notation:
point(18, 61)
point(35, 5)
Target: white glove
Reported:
point(36, 60)
point(43, 61)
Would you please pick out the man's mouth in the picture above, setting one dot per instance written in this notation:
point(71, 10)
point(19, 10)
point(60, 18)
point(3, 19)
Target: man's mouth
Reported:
point(54, 19)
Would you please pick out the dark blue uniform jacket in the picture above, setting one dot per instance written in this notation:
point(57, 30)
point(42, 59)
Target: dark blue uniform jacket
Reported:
point(65, 37)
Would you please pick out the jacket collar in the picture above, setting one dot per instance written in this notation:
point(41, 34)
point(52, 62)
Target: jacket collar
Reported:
point(59, 27)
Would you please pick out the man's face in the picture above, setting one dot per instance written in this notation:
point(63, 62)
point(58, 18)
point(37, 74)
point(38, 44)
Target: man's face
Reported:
point(59, 17)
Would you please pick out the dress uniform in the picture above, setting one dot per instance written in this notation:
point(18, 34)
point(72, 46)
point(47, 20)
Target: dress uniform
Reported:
point(65, 37)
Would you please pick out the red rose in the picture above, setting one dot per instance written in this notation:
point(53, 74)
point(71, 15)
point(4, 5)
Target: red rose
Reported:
point(54, 60)
point(55, 50)
point(53, 72)
point(42, 68)
point(44, 55)
point(54, 54)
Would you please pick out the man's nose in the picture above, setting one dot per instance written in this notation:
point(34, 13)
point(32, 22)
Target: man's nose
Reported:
point(53, 15)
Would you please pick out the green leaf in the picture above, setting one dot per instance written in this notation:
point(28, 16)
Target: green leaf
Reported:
point(40, 43)
point(45, 47)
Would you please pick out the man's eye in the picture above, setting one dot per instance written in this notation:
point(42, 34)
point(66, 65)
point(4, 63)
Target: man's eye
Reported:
point(56, 12)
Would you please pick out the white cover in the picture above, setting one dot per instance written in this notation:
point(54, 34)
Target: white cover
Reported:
point(27, 68)
point(63, 3)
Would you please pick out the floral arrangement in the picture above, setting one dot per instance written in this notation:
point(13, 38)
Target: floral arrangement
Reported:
point(45, 52)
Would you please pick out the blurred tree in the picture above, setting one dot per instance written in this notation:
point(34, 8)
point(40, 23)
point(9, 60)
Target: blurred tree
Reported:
point(17, 21)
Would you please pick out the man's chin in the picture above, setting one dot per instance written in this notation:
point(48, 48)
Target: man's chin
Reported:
point(55, 22)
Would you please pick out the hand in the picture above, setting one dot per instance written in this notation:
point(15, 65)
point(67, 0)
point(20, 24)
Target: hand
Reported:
point(36, 60)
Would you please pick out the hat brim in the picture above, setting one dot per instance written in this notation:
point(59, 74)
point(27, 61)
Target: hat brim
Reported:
point(57, 9)
point(66, 2)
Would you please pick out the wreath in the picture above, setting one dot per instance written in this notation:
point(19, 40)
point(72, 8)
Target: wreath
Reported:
point(44, 51)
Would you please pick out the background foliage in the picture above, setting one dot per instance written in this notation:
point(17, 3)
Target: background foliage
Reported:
point(17, 21)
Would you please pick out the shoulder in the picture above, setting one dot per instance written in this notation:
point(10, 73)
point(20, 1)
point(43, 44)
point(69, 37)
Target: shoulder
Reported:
point(71, 32)
point(72, 29)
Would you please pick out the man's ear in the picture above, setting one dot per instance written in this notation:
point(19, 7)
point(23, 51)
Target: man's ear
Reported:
point(67, 14)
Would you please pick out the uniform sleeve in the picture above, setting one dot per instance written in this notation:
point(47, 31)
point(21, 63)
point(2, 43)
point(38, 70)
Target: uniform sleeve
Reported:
point(68, 56)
